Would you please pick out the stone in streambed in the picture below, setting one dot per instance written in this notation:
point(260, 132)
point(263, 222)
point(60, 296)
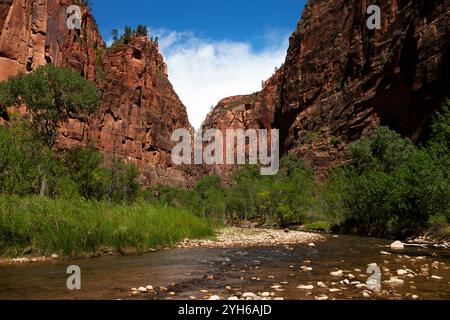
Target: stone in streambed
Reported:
point(338, 273)
point(397, 245)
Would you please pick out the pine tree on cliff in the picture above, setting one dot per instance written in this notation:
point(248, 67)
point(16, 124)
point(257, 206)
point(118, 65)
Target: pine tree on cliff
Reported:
point(115, 35)
point(141, 30)
point(127, 35)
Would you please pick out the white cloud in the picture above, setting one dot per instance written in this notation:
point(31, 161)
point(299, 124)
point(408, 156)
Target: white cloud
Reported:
point(203, 71)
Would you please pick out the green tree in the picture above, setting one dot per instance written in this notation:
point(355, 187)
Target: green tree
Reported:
point(50, 94)
point(85, 168)
point(127, 35)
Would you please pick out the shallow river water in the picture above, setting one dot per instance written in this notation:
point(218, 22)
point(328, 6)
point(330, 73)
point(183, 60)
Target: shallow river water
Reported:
point(199, 273)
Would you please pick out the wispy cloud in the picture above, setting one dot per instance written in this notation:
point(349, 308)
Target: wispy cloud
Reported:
point(204, 71)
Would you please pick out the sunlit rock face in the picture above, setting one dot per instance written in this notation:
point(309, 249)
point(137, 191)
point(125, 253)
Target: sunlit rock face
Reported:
point(340, 79)
point(139, 109)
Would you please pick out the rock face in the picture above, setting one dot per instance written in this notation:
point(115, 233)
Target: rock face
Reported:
point(340, 79)
point(34, 32)
point(140, 110)
point(254, 111)
point(139, 107)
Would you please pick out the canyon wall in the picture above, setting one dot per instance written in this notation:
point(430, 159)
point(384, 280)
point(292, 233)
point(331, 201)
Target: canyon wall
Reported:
point(139, 109)
point(340, 79)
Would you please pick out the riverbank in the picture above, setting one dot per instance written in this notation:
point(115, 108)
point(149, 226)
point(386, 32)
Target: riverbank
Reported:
point(39, 228)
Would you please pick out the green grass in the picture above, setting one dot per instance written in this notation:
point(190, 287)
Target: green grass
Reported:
point(44, 226)
point(324, 226)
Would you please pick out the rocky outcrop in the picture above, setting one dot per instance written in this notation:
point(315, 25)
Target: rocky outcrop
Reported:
point(139, 112)
point(139, 107)
point(237, 112)
point(340, 78)
point(254, 111)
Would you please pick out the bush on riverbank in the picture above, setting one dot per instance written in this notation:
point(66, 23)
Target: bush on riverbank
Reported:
point(44, 226)
point(393, 188)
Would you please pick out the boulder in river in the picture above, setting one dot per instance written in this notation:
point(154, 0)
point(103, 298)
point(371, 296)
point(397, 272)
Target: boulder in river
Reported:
point(338, 273)
point(397, 245)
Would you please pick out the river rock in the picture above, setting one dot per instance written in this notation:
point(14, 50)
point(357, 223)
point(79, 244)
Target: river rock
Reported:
point(233, 298)
point(215, 297)
point(334, 290)
point(338, 273)
point(246, 295)
point(305, 287)
point(265, 294)
point(142, 290)
point(402, 272)
point(321, 298)
point(276, 286)
point(394, 281)
point(397, 245)
point(321, 284)
point(150, 288)
point(311, 245)
point(436, 278)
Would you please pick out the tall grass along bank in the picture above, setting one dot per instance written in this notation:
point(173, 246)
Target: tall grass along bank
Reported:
point(40, 225)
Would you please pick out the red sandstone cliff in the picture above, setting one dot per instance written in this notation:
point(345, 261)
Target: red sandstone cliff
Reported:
point(139, 107)
point(340, 78)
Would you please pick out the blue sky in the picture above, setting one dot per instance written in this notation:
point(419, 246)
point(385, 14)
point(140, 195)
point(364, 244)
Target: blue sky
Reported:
point(213, 48)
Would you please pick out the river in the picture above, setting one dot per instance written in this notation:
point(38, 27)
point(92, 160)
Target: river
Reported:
point(198, 273)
